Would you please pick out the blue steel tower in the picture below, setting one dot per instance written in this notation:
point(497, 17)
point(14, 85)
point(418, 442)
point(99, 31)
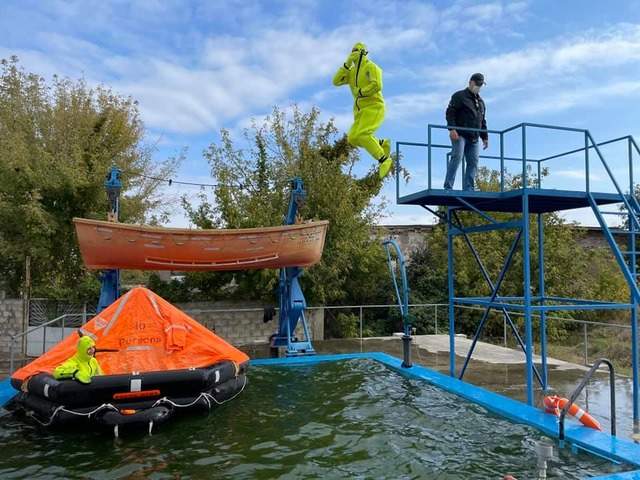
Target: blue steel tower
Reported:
point(533, 199)
point(110, 279)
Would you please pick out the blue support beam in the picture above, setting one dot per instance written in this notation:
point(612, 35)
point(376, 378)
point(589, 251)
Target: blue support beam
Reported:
point(506, 302)
point(543, 319)
point(290, 295)
point(489, 283)
point(484, 215)
point(110, 279)
point(451, 284)
point(584, 301)
point(582, 307)
point(487, 302)
point(494, 293)
point(528, 327)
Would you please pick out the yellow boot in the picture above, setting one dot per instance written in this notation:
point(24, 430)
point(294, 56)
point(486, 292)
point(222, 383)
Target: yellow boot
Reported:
point(386, 162)
point(386, 146)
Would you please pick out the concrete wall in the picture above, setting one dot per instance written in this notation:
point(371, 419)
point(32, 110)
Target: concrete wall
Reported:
point(411, 238)
point(10, 323)
point(243, 324)
point(238, 324)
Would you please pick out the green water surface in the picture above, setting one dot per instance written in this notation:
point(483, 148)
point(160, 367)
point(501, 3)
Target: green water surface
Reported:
point(352, 419)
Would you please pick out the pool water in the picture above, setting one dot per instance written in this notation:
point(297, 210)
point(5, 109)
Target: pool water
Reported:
point(350, 419)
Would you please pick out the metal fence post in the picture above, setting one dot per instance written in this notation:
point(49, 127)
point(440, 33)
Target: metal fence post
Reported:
point(361, 341)
point(586, 345)
point(44, 339)
point(504, 326)
point(435, 310)
point(13, 339)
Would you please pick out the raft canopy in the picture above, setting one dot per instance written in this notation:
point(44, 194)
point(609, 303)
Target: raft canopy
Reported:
point(142, 333)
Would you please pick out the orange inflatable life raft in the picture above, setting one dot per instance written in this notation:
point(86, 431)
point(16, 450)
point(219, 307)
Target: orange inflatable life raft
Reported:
point(156, 361)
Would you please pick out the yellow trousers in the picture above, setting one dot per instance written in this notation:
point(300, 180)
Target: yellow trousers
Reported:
point(366, 121)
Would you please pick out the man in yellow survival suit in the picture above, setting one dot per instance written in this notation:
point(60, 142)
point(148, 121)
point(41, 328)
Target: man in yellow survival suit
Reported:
point(365, 81)
point(83, 365)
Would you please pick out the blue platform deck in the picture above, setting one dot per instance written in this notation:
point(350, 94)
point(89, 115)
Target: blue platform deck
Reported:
point(540, 200)
point(595, 442)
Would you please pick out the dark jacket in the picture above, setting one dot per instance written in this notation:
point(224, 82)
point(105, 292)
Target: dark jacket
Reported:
point(467, 109)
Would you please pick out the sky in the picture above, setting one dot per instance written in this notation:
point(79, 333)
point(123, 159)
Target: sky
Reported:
point(198, 66)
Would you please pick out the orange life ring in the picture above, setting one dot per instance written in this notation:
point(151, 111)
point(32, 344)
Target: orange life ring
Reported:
point(553, 404)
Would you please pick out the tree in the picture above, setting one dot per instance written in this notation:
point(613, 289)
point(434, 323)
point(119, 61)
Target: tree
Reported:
point(58, 140)
point(253, 191)
point(571, 270)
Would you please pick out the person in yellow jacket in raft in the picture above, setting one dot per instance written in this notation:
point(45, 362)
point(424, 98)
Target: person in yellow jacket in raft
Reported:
point(365, 81)
point(83, 365)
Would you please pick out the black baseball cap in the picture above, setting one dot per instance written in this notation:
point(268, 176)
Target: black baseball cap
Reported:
point(478, 79)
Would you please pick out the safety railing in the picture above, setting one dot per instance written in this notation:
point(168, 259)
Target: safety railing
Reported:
point(525, 159)
point(436, 313)
point(62, 324)
point(582, 385)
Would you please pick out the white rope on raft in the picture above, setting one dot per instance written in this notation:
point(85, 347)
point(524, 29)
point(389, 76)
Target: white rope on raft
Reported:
point(207, 397)
point(204, 395)
point(244, 384)
point(62, 408)
point(181, 405)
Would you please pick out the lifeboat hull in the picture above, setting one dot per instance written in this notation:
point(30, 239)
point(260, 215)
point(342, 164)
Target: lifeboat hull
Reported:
point(108, 245)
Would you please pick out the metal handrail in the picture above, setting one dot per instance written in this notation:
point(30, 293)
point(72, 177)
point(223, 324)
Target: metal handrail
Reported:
point(584, 323)
point(582, 149)
point(43, 326)
point(579, 388)
point(589, 144)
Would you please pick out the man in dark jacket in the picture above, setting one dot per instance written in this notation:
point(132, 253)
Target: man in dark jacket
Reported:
point(466, 109)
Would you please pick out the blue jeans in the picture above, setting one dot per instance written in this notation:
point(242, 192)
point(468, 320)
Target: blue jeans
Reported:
point(471, 152)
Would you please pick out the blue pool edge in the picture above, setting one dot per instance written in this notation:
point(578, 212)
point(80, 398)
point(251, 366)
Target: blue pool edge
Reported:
point(599, 443)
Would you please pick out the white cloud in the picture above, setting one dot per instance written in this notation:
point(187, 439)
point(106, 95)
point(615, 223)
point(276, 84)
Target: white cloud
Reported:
point(411, 105)
point(565, 98)
point(188, 80)
point(466, 17)
point(587, 55)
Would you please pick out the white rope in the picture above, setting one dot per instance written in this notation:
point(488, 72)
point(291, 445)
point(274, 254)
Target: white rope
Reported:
point(62, 408)
point(207, 397)
point(95, 410)
point(204, 395)
point(179, 405)
point(244, 384)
